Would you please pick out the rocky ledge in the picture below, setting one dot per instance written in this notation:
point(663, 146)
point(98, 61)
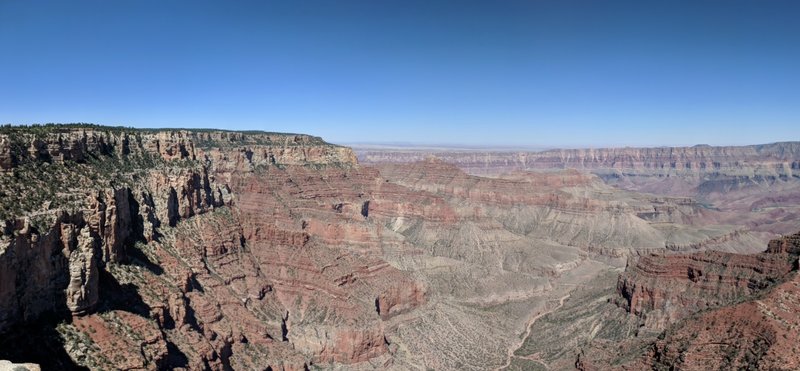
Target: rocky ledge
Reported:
point(80, 143)
point(125, 248)
point(664, 288)
point(775, 158)
point(708, 311)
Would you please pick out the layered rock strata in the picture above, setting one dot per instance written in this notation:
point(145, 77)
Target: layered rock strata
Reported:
point(755, 186)
point(163, 251)
point(717, 312)
point(223, 250)
point(781, 159)
point(665, 288)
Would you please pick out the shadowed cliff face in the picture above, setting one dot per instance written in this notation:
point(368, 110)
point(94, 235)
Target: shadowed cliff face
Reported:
point(133, 249)
point(664, 288)
point(134, 245)
point(757, 186)
point(700, 311)
point(717, 311)
point(752, 187)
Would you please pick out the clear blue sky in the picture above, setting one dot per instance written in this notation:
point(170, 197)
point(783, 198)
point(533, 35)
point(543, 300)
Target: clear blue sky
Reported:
point(554, 73)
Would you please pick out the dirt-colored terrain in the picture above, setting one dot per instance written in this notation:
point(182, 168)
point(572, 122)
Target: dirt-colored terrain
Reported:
point(755, 186)
point(133, 249)
point(746, 318)
point(768, 159)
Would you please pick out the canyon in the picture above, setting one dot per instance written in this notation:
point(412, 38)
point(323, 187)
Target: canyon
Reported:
point(206, 249)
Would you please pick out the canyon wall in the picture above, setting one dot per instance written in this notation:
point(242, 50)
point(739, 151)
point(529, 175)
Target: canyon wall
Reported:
point(158, 247)
point(707, 311)
point(62, 144)
point(665, 288)
point(755, 186)
point(781, 159)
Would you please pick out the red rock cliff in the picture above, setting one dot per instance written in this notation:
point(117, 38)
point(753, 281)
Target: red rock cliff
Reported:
point(781, 158)
point(206, 250)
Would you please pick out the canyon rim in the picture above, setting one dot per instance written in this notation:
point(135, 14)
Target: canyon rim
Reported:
point(399, 185)
point(208, 249)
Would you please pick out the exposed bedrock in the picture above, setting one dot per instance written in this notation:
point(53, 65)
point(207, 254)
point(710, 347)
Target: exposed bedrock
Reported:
point(754, 186)
point(220, 250)
point(760, 333)
point(143, 264)
point(665, 288)
point(57, 268)
point(235, 148)
point(569, 207)
point(399, 299)
point(776, 158)
point(712, 311)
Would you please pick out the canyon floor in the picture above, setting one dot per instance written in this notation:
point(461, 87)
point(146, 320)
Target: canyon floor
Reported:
point(181, 249)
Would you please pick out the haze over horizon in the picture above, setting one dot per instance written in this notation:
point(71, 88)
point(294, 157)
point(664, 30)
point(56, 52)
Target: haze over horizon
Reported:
point(516, 73)
point(450, 185)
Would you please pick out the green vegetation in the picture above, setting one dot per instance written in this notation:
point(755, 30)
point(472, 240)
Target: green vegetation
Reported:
point(587, 316)
point(50, 128)
point(38, 185)
point(37, 188)
point(249, 136)
point(53, 128)
point(49, 168)
point(80, 345)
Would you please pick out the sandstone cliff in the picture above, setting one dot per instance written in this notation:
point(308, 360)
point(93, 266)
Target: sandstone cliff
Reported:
point(757, 186)
point(781, 159)
point(147, 241)
point(710, 311)
point(159, 249)
point(665, 288)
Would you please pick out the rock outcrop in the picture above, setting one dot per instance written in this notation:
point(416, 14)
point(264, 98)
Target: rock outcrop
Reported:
point(215, 250)
point(78, 144)
point(781, 159)
point(10, 366)
point(759, 333)
point(665, 288)
point(173, 249)
point(757, 186)
point(45, 270)
point(712, 312)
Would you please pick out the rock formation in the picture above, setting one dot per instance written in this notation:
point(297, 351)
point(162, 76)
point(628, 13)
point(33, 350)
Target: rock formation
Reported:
point(9, 366)
point(148, 242)
point(665, 288)
point(711, 311)
point(216, 250)
point(757, 186)
point(776, 159)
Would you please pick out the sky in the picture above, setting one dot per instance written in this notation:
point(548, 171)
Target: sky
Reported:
point(560, 73)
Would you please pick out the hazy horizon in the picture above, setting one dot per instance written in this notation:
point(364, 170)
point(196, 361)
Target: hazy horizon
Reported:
point(455, 73)
point(533, 147)
point(429, 145)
